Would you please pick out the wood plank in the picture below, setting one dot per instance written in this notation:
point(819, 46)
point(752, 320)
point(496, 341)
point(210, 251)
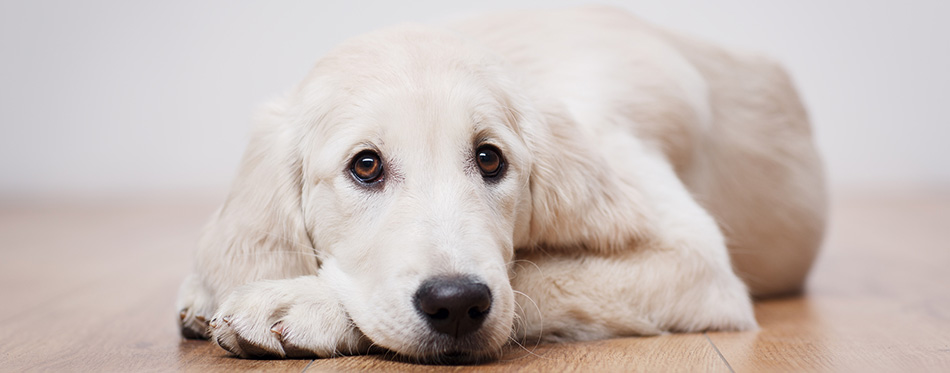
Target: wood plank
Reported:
point(91, 287)
point(683, 352)
point(878, 299)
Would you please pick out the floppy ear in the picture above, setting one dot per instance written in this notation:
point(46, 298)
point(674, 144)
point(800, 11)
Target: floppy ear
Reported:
point(576, 199)
point(259, 232)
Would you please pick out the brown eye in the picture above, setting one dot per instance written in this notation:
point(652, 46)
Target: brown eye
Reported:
point(489, 161)
point(367, 167)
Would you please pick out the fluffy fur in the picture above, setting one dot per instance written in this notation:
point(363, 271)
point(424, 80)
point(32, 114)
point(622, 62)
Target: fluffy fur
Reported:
point(653, 182)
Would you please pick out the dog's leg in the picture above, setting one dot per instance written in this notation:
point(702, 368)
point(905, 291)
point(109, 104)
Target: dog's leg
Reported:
point(577, 297)
point(678, 277)
point(259, 232)
point(218, 274)
point(296, 318)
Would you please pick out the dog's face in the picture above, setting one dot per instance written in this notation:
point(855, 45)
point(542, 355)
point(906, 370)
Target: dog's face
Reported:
point(415, 191)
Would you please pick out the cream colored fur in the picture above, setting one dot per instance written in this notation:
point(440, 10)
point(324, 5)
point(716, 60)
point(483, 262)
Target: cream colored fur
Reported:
point(646, 170)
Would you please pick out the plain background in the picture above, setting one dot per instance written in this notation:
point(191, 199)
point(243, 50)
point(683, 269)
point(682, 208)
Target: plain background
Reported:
point(114, 97)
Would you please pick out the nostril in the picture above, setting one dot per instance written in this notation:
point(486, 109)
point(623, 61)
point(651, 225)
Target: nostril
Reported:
point(442, 313)
point(475, 313)
point(453, 305)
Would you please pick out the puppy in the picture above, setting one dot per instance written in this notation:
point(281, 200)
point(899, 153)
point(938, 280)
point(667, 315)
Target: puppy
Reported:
point(557, 176)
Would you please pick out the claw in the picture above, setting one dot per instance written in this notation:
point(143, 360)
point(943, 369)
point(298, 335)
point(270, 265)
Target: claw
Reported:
point(226, 320)
point(278, 329)
point(214, 323)
point(183, 314)
point(200, 318)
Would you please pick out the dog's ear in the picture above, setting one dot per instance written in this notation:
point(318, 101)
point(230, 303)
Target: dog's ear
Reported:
point(576, 199)
point(260, 232)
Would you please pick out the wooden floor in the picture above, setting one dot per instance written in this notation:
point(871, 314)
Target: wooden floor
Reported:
point(91, 287)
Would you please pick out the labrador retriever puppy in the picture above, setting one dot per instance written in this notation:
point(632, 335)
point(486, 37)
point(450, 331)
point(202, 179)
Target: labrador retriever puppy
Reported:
point(439, 193)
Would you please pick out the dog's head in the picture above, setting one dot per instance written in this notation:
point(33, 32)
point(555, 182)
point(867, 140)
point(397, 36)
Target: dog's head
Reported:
point(414, 166)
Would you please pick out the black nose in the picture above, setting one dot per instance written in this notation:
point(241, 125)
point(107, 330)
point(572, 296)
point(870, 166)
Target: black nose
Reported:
point(454, 306)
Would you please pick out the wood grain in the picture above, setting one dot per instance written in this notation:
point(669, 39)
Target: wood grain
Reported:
point(90, 286)
point(671, 352)
point(879, 297)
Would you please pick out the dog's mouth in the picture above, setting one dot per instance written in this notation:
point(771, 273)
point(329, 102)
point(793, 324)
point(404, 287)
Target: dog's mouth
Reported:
point(453, 320)
point(451, 357)
point(440, 349)
point(455, 310)
point(457, 358)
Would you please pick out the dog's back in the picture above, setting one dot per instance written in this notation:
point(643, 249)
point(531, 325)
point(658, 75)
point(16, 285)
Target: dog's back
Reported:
point(730, 123)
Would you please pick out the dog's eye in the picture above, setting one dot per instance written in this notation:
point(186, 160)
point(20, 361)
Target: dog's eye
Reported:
point(489, 161)
point(367, 167)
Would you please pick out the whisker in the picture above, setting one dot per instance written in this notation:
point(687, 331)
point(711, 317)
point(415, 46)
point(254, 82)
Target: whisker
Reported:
point(273, 252)
point(525, 349)
point(301, 248)
point(540, 316)
point(284, 239)
point(519, 261)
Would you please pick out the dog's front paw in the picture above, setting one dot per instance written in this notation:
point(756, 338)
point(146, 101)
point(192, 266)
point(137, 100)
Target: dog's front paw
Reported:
point(295, 318)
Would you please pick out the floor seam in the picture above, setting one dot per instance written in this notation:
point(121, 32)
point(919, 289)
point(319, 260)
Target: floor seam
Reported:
point(308, 366)
point(719, 353)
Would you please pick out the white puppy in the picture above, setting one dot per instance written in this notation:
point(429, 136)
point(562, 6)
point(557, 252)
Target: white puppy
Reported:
point(560, 175)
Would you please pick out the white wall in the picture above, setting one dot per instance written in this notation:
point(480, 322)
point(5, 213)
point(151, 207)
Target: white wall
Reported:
point(114, 96)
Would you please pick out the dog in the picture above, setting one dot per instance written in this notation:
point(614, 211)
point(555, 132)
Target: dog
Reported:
point(439, 193)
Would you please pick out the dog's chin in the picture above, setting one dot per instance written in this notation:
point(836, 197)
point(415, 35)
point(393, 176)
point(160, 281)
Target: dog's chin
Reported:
point(442, 350)
point(459, 358)
point(451, 356)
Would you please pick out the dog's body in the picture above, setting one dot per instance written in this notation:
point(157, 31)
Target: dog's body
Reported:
point(629, 158)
